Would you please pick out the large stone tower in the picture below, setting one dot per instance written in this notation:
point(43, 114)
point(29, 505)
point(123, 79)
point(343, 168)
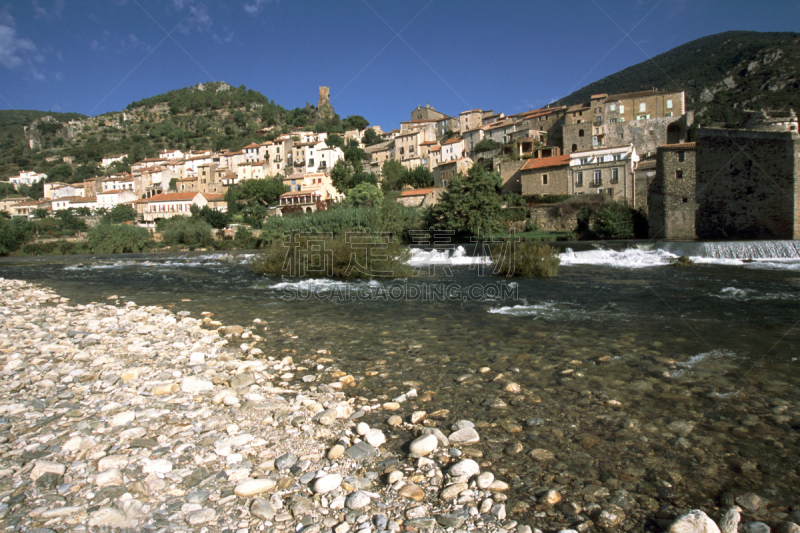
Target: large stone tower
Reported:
point(324, 107)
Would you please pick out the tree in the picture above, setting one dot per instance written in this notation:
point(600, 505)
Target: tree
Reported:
point(365, 195)
point(216, 219)
point(69, 222)
point(119, 213)
point(346, 175)
point(265, 191)
point(335, 141)
point(7, 189)
point(173, 184)
point(185, 230)
point(470, 205)
point(12, 236)
point(488, 145)
point(355, 122)
point(370, 137)
point(419, 177)
point(59, 173)
point(394, 175)
point(118, 239)
point(619, 221)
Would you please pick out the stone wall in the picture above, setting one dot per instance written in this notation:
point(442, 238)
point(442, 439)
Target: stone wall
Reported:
point(747, 184)
point(510, 174)
point(533, 181)
point(671, 197)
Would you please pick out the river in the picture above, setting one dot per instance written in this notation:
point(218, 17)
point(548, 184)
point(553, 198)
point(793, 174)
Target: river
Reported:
point(673, 383)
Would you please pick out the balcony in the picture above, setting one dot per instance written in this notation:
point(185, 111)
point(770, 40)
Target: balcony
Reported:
point(598, 121)
point(300, 163)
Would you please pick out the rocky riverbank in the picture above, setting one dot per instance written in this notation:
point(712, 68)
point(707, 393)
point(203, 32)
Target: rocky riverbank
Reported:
point(120, 416)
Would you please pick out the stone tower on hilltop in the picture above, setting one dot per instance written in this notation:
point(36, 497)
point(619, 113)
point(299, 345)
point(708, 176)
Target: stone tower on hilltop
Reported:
point(324, 107)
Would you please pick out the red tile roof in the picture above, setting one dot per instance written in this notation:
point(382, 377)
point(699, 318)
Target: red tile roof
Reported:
point(171, 197)
point(544, 162)
point(417, 192)
point(680, 146)
point(455, 140)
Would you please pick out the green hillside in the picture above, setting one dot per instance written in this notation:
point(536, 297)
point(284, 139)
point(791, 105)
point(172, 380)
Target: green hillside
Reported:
point(212, 115)
point(721, 74)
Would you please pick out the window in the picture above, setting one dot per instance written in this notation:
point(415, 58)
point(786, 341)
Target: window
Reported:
point(614, 175)
point(681, 156)
point(621, 108)
point(678, 174)
point(579, 179)
point(292, 182)
point(311, 162)
point(598, 177)
point(669, 104)
point(622, 119)
point(642, 117)
point(444, 183)
point(544, 179)
point(669, 114)
point(574, 148)
point(613, 107)
point(580, 133)
point(685, 200)
point(642, 107)
point(597, 131)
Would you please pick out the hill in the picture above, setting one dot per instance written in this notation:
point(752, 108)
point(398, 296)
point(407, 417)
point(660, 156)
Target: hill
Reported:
point(722, 74)
point(211, 115)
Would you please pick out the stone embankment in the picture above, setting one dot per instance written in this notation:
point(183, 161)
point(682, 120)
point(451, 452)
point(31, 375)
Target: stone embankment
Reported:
point(135, 418)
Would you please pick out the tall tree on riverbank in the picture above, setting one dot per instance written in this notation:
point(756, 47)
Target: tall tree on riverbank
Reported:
point(471, 205)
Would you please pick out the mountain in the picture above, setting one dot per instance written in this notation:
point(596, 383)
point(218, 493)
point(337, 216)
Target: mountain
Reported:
point(722, 74)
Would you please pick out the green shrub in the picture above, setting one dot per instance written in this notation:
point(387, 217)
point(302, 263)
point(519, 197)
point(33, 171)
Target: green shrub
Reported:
point(526, 259)
point(12, 235)
point(119, 213)
point(184, 230)
point(118, 239)
point(55, 248)
point(548, 198)
point(513, 214)
point(619, 221)
point(347, 257)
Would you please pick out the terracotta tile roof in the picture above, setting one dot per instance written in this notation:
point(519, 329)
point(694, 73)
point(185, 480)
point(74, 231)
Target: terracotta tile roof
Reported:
point(471, 111)
point(252, 146)
point(578, 107)
point(199, 157)
point(302, 193)
point(451, 141)
point(213, 197)
point(679, 146)
point(495, 125)
point(544, 162)
point(639, 94)
point(417, 192)
point(597, 96)
point(426, 143)
point(421, 121)
point(171, 197)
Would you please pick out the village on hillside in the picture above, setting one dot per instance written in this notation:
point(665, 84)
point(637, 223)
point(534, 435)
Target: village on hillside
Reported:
point(632, 148)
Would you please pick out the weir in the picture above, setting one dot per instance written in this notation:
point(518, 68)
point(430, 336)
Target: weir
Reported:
point(734, 250)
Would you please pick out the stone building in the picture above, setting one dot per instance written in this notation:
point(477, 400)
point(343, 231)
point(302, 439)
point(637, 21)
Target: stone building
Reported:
point(444, 173)
point(747, 184)
point(606, 171)
point(549, 120)
point(671, 196)
point(643, 176)
point(646, 119)
point(547, 175)
point(427, 113)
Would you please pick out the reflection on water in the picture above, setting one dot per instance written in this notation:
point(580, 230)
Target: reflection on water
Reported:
point(640, 376)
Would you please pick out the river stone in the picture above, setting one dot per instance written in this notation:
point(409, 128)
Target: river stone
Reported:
point(336, 452)
point(194, 385)
point(465, 467)
point(787, 527)
point(109, 478)
point(120, 419)
point(327, 417)
point(394, 421)
point(441, 437)
point(244, 379)
point(108, 517)
point(610, 517)
point(695, 521)
point(158, 466)
point(362, 428)
point(43, 467)
point(420, 524)
point(540, 454)
point(375, 437)
point(261, 508)
point(58, 512)
point(285, 461)
point(357, 500)
point(412, 492)
point(451, 492)
point(424, 445)
point(749, 502)
point(461, 424)
point(681, 427)
point(327, 483)
point(451, 520)
point(484, 480)
point(551, 497)
point(361, 451)
point(464, 436)
point(201, 516)
point(754, 527)
point(252, 487)
point(112, 461)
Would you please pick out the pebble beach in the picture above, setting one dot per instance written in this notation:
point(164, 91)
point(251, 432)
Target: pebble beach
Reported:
point(123, 417)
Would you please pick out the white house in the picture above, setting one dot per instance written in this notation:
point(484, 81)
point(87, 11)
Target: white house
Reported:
point(110, 160)
point(108, 199)
point(180, 203)
point(26, 178)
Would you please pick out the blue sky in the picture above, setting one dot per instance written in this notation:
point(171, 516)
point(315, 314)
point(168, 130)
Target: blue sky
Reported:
point(380, 58)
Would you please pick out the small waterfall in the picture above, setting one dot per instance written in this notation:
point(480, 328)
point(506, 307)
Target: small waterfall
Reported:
point(735, 249)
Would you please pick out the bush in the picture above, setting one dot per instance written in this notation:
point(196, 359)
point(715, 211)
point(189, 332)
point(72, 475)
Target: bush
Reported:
point(549, 198)
point(118, 239)
point(347, 257)
point(619, 221)
point(55, 248)
point(12, 235)
point(184, 230)
point(513, 214)
point(526, 259)
point(244, 238)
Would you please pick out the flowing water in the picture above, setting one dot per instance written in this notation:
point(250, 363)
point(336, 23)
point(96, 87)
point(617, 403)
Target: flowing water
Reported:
point(674, 383)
